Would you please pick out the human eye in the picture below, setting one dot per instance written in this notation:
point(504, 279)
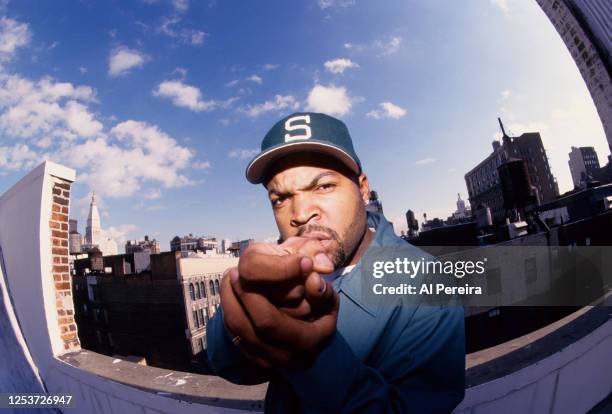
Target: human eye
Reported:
point(278, 201)
point(325, 186)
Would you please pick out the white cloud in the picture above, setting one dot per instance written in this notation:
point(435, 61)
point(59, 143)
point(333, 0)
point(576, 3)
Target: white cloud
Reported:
point(280, 102)
point(53, 109)
point(339, 65)
point(255, 79)
point(425, 161)
point(270, 66)
point(390, 46)
point(153, 194)
point(124, 59)
point(197, 37)
point(326, 4)
point(332, 100)
point(232, 83)
point(188, 36)
point(181, 5)
point(120, 234)
point(83, 70)
point(13, 35)
point(243, 153)
point(183, 95)
point(387, 110)
point(17, 158)
point(501, 4)
point(348, 45)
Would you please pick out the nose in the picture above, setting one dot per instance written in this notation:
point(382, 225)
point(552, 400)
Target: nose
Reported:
point(304, 211)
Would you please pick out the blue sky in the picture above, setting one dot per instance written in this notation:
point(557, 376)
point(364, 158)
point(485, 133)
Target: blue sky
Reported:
point(159, 104)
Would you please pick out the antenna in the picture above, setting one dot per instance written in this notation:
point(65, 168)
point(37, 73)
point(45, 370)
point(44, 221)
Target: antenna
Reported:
point(501, 125)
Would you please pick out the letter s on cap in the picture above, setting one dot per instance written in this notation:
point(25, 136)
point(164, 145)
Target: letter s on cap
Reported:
point(290, 127)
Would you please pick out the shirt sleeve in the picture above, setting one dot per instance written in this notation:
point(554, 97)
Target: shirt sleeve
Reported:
point(225, 358)
point(420, 370)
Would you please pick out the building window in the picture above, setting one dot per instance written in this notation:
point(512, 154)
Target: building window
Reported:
point(212, 288)
point(191, 291)
point(201, 314)
point(195, 319)
point(198, 294)
point(217, 285)
point(203, 287)
point(203, 340)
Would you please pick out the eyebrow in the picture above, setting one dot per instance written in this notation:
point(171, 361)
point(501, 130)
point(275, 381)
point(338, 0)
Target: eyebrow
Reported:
point(310, 186)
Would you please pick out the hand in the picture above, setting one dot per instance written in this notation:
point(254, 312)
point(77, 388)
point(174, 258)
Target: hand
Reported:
point(270, 337)
point(283, 272)
point(272, 286)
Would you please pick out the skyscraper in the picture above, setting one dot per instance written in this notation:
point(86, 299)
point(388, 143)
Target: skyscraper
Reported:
point(583, 163)
point(93, 231)
point(586, 29)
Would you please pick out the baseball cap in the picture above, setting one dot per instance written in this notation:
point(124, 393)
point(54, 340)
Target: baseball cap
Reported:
point(304, 132)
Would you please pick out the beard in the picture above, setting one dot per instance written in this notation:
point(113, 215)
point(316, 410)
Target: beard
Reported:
point(338, 254)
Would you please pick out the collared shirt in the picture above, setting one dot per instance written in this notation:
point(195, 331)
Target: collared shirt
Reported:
point(405, 358)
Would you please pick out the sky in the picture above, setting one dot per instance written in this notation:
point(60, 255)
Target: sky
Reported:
point(159, 104)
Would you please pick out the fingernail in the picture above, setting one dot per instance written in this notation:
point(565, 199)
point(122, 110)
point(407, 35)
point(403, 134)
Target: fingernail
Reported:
point(322, 285)
point(322, 260)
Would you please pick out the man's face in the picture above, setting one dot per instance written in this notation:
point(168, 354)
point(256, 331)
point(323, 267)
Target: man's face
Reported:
point(315, 197)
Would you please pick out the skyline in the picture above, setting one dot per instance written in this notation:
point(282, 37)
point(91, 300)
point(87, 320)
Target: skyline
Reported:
point(159, 105)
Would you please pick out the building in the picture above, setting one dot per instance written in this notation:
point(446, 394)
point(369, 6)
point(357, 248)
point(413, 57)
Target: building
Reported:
point(152, 306)
point(237, 248)
point(152, 246)
point(583, 164)
point(412, 224)
point(585, 26)
point(94, 235)
point(93, 231)
point(374, 204)
point(194, 243)
point(483, 181)
point(75, 240)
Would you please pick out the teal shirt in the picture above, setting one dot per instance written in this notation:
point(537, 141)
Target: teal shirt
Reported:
point(387, 358)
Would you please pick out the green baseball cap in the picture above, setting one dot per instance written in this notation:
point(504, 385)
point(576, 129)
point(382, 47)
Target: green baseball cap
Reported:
point(304, 132)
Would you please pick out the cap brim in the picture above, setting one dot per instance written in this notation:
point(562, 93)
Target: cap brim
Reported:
point(257, 167)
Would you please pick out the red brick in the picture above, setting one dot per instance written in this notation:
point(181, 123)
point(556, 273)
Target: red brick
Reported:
point(65, 243)
point(54, 225)
point(65, 277)
point(61, 201)
point(64, 260)
point(64, 227)
point(61, 269)
point(66, 320)
point(64, 210)
point(62, 186)
point(66, 193)
point(57, 278)
point(60, 234)
point(57, 250)
point(72, 327)
point(62, 285)
point(56, 208)
point(57, 191)
point(61, 312)
point(56, 242)
point(57, 259)
point(69, 336)
point(59, 217)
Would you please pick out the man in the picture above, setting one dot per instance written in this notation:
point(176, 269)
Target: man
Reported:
point(294, 314)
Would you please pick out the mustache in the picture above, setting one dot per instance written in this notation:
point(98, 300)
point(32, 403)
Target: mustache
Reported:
point(309, 228)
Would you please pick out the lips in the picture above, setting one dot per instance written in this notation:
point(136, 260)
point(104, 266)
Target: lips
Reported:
point(319, 235)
